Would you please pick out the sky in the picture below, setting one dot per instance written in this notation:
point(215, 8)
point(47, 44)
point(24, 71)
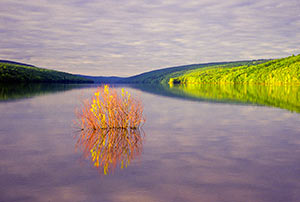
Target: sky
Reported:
point(128, 37)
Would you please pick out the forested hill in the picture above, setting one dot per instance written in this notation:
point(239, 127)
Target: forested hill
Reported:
point(22, 73)
point(278, 71)
point(163, 75)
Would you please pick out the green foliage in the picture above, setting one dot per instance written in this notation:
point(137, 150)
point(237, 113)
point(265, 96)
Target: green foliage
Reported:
point(10, 73)
point(279, 71)
point(282, 96)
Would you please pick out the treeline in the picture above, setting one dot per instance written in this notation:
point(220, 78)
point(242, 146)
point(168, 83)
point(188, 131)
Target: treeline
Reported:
point(278, 71)
point(16, 73)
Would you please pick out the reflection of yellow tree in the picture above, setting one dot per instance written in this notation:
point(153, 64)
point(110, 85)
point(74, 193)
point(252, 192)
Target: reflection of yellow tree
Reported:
point(111, 147)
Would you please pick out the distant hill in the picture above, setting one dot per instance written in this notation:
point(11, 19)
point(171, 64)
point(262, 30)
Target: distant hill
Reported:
point(163, 75)
point(104, 79)
point(278, 71)
point(15, 72)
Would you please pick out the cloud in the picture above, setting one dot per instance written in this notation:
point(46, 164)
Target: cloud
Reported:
point(129, 37)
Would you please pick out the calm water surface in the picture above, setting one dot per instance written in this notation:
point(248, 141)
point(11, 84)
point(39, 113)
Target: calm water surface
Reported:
point(191, 151)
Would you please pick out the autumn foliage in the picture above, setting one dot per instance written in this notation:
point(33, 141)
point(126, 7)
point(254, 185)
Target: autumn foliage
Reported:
point(109, 110)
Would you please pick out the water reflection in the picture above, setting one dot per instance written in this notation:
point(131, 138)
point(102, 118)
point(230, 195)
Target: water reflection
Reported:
point(110, 148)
point(285, 97)
point(194, 151)
point(17, 91)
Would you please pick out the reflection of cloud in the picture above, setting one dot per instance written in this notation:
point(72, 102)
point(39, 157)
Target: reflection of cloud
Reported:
point(134, 195)
point(62, 34)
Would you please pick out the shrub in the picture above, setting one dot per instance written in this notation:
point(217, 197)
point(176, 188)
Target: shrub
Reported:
point(109, 110)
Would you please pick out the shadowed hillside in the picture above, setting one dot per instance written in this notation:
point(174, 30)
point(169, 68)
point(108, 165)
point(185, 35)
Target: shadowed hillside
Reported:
point(11, 72)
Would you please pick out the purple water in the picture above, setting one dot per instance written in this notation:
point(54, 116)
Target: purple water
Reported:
point(192, 151)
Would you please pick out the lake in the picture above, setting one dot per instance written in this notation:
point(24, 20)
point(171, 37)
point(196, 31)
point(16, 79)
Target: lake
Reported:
point(194, 146)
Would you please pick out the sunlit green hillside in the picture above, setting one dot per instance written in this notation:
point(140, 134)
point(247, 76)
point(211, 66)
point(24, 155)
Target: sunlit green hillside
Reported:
point(279, 71)
point(163, 75)
point(10, 72)
point(281, 96)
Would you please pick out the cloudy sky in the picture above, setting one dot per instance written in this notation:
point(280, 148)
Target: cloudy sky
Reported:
point(127, 37)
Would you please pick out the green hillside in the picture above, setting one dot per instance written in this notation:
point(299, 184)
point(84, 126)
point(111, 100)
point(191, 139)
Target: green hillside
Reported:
point(164, 75)
point(278, 71)
point(11, 72)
